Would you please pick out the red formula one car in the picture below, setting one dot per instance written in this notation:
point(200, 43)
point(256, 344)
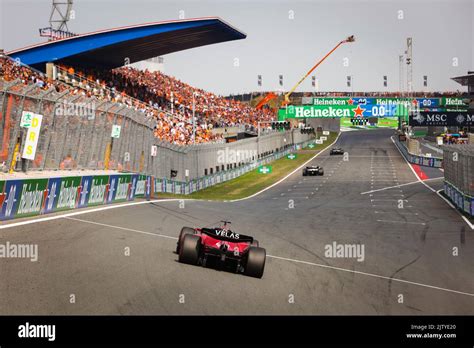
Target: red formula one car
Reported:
point(221, 248)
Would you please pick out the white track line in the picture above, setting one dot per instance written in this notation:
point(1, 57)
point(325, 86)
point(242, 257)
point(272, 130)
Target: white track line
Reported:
point(287, 259)
point(372, 275)
point(402, 222)
point(391, 187)
point(80, 212)
point(122, 228)
point(432, 189)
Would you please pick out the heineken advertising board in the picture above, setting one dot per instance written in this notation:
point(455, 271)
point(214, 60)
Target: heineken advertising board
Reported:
point(338, 111)
point(422, 102)
point(448, 119)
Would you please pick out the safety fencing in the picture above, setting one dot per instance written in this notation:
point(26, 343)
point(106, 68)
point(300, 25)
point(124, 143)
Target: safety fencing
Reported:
point(459, 176)
point(434, 162)
point(75, 132)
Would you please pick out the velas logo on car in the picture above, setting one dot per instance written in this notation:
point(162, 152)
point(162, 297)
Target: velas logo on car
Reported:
point(227, 234)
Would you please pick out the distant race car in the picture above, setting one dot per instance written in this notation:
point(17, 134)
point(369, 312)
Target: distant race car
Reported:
point(222, 248)
point(336, 151)
point(313, 170)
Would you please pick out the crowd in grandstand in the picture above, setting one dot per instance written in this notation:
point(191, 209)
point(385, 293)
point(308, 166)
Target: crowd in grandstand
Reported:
point(175, 100)
point(12, 70)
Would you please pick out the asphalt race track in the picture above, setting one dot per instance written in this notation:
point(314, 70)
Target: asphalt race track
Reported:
point(408, 250)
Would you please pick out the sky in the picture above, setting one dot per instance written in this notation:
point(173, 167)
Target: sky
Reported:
point(286, 38)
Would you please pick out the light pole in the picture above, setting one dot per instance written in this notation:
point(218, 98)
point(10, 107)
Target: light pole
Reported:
point(400, 74)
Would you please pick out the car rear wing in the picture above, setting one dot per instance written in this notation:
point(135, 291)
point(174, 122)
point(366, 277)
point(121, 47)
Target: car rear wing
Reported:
point(227, 235)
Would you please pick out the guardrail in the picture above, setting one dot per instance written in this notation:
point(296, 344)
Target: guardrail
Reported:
point(461, 200)
point(434, 162)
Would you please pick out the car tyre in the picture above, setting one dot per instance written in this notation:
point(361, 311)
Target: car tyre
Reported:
point(189, 251)
point(184, 231)
point(255, 262)
point(254, 243)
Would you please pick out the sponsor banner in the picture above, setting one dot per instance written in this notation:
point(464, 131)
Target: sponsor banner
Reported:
point(140, 185)
point(85, 190)
point(354, 101)
point(30, 200)
point(340, 111)
point(2, 195)
point(148, 187)
point(447, 101)
point(122, 185)
point(448, 118)
point(99, 190)
point(112, 188)
point(133, 187)
point(54, 185)
point(10, 198)
point(68, 192)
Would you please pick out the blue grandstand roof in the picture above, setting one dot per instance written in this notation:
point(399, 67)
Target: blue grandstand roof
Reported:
point(108, 49)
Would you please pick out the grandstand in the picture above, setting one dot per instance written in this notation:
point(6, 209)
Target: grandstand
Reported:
point(184, 114)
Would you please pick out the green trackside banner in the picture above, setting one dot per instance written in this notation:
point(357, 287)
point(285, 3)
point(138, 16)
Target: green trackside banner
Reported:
point(31, 197)
point(338, 111)
point(315, 111)
point(123, 187)
point(68, 191)
point(446, 101)
point(99, 189)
